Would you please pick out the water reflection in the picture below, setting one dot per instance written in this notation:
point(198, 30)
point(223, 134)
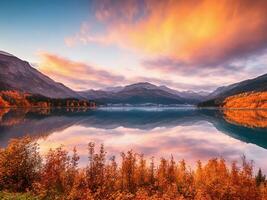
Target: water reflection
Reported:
point(191, 134)
point(247, 118)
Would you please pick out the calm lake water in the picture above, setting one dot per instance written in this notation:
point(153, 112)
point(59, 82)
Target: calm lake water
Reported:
point(185, 133)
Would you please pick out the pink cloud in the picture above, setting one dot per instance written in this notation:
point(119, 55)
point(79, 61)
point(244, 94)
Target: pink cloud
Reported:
point(77, 75)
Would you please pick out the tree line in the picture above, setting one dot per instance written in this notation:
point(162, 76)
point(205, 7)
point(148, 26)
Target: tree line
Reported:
point(24, 100)
point(25, 174)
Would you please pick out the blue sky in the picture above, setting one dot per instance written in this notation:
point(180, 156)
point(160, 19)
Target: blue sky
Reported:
point(101, 43)
point(30, 25)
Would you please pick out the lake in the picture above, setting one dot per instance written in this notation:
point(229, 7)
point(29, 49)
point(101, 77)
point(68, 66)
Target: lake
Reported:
point(185, 133)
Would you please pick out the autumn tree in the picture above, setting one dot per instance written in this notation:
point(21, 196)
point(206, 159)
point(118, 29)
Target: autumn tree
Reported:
point(59, 176)
point(128, 170)
point(55, 174)
point(20, 165)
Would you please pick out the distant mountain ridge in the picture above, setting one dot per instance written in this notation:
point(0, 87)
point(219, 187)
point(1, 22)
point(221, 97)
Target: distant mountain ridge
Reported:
point(142, 93)
point(19, 75)
point(196, 96)
point(16, 74)
point(256, 85)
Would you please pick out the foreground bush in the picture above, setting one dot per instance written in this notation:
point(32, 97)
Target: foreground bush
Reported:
point(23, 175)
point(20, 165)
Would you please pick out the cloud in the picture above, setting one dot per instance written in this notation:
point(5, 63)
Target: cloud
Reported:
point(118, 10)
point(181, 86)
point(168, 65)
point(194, 33)
point(77, 75)
point(82, 76)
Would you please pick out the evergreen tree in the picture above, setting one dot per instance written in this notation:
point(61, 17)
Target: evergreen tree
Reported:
point(260, 178)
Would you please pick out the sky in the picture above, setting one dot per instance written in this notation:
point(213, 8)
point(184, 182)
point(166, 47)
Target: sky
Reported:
point(184, 44)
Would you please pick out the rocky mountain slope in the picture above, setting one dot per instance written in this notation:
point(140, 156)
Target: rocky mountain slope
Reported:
point(19, 75)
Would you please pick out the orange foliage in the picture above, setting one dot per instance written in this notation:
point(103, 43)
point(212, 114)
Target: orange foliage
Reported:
point(59, 177)
point(14, 98)
point(16, 118)
point(3, 103)
point(248, 118)
point(3, 111)
point(17, 99)
point(19, 165)
point(250, 100)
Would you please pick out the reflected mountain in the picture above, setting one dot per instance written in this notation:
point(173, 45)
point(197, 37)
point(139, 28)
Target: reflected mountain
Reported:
point(248, 134)
point(41, 123)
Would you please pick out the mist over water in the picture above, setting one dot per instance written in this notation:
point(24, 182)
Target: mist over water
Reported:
point(185, 133)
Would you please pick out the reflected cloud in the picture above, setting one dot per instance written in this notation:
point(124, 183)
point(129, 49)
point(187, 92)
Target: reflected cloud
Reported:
point(186, 133)
point(197, 142)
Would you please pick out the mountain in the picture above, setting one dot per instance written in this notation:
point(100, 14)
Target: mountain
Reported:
point(19, 75)
point(16, 74)
point(247, 89)
point(190, 95)
point(5, 53)
point(142, 93)
point(113, 89)
point(96, 94)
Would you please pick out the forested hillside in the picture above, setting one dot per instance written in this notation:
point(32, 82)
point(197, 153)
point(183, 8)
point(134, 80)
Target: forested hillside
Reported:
point(249, 100)
point(17, 99)
point(251, 93)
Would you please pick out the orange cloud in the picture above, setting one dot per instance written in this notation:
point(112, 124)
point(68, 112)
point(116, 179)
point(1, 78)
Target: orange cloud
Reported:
point(82, 76)
point(193, 31)
point(77, 75)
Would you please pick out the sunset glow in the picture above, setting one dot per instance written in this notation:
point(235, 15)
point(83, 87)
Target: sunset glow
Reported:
point(178, 43)
point(133, 99)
